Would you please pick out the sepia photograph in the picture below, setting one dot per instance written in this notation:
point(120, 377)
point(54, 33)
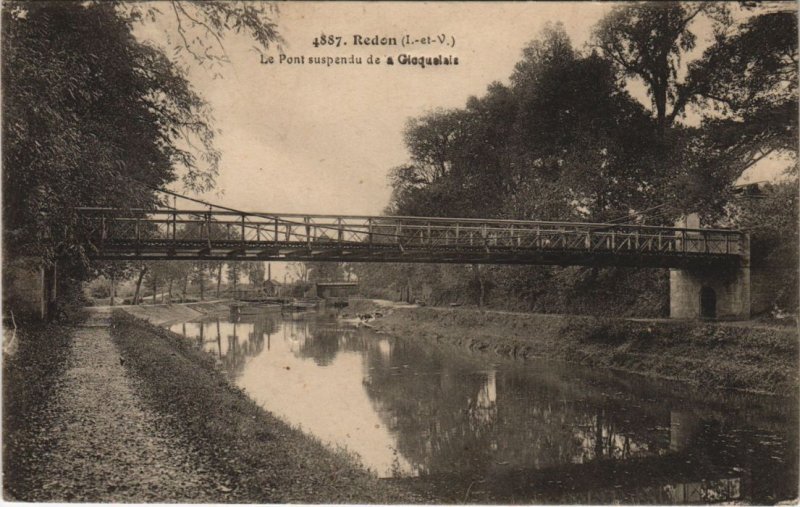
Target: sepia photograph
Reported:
point(384, 253)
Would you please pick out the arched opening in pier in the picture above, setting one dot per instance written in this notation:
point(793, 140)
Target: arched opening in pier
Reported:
point(708, 303)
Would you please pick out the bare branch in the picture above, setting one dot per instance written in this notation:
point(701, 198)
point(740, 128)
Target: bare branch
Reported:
point(208, 29)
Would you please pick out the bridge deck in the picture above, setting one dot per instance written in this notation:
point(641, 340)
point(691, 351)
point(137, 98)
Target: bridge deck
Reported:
point(226, 235)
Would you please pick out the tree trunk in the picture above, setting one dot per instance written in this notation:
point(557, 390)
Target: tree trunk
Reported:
point(185, 286)
point(113, 287)
point(169, 291)
point(139, 285)
point(219, 278)
point(155, 288)
point(202, 285)
point(660, 91)
point(481, 284)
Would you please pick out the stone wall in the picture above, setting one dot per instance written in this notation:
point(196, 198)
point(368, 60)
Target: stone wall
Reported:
point(730, 288)
point(22, 288)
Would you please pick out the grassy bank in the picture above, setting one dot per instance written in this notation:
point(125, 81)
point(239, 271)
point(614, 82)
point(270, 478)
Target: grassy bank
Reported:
point(264, 459)
point(161, 314)
point(709, 355)
point(29, 380)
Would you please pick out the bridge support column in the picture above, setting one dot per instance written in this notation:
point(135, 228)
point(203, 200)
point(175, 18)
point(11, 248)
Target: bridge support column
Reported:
point(683, 428)
point(22, 287)
point(712, 293)
point(49, 282)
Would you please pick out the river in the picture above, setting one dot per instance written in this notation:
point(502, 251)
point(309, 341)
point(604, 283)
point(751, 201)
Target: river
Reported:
point(479, 428)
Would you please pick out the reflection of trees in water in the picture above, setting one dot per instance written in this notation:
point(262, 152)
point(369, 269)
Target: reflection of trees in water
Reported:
point(263, 329)
point(322, 341)
point(465, 420)
point(767, 460)
point(605, 435)
point(562, 427)
point(321, 345)
point(535, 435)
point(246, 340)
point(443, 414)
point(709, 460)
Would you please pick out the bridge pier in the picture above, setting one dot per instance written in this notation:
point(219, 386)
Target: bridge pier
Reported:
point(683, 427)
point(49, 284)
point(711, 293)
point(29, 288)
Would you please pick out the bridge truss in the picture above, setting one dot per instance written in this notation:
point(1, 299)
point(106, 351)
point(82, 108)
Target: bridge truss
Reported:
point(230, 235)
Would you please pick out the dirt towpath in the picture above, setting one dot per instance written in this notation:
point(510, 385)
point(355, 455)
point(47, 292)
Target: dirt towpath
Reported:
point(107, 445)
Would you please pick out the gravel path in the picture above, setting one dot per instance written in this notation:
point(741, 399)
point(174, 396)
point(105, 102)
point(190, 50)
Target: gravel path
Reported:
point(107, 446)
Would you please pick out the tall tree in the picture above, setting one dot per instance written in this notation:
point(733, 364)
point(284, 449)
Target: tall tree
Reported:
point(745, 83)
point(582, 139)
point(199, 275)
point(749, 79)
point(216, 274)
point(255, 272)
point(87, 107)
point(298, 270)
point(234, 273)
point(648, 39)
point(564, 141)
point(324, 272)
point(747, 86)
point(94, 117)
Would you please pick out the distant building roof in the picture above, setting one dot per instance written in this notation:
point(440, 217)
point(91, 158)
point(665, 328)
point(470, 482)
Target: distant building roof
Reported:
point(748, 189)
point(337, 284)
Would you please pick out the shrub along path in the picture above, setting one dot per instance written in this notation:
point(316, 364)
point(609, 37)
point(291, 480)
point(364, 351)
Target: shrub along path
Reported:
point(105, 445)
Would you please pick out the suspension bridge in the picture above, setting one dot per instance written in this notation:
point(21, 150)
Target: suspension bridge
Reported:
point(709, 268)
point(172, 234)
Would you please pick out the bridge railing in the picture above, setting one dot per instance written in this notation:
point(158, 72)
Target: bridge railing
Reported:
point(139, 227)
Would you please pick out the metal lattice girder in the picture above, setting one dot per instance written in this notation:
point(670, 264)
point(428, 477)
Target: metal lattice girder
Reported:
point(187, 234)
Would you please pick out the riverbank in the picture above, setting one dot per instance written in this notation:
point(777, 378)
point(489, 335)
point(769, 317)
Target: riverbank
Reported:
point(262, 458)
point(161, 314)
point(709, 355)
